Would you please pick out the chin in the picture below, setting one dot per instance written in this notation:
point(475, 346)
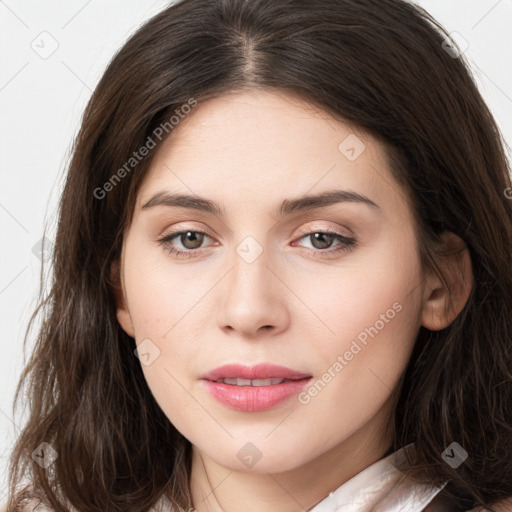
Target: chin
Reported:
point(260, 457)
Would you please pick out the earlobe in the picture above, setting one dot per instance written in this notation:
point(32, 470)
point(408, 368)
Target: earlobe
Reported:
point(122, 313)
point(445, 299)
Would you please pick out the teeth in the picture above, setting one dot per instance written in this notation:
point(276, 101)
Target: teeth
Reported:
point(266, 382)
point(249, 382)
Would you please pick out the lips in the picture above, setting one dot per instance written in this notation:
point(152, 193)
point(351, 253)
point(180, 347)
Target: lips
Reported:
point(253, 388)
point(260, 371)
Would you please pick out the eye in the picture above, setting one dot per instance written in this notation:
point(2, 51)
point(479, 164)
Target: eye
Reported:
point(322, 240)
point(189, 239)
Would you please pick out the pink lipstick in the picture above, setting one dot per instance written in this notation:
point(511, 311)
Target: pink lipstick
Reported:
point(253, 388)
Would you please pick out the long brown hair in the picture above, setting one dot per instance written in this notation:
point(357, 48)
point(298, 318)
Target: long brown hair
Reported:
point(379, 64)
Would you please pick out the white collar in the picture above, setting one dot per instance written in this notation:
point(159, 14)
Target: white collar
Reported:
point(381, 487)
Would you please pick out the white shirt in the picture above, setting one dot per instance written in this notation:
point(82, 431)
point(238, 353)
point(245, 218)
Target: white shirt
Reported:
point(381, 487)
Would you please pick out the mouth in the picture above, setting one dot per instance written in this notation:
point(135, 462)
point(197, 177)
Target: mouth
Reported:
point(244, 375)
point(252, 382)
point(256, 388)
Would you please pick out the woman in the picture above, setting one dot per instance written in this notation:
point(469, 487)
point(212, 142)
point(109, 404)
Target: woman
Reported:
point(281, 274)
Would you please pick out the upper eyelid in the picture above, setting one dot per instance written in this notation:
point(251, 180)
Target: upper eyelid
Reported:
point(326, 229)
point(302, 231)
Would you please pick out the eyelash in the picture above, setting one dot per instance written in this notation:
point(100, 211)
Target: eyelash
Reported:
point(346, 243)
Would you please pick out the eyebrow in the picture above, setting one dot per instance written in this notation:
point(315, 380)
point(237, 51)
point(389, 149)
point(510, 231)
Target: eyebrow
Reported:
point(304, 203)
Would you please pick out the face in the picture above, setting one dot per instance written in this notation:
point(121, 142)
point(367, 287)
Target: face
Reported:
point(255, 270)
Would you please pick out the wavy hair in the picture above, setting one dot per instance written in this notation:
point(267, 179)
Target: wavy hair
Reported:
point(381, 65)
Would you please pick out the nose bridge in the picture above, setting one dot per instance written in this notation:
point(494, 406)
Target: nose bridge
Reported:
point(250, 250)
point(249, 297)
point(250, 273)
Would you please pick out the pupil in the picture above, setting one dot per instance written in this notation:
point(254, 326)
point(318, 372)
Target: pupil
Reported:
point(323, 243)
point(192, 236)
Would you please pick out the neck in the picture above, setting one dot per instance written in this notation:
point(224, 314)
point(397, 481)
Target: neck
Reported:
point(216, 488)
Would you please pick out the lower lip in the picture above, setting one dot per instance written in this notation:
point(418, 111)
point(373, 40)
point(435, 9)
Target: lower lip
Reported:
point(254, 398)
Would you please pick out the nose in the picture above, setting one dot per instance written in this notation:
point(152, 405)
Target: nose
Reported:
point(253, 297)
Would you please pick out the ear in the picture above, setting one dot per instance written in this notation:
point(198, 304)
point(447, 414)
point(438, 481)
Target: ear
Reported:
point(443, 301)
point(122, 313)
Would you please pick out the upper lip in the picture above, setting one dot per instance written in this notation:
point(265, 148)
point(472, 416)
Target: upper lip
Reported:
point(259, 371)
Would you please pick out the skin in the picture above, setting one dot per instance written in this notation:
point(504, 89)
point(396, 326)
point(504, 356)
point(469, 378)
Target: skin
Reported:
point(296, 305)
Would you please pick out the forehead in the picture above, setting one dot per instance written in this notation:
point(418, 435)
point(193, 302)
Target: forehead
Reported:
point(257, 117)
point(249, 146)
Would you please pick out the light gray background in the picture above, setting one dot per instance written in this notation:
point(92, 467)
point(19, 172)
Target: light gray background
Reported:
point(42, 97)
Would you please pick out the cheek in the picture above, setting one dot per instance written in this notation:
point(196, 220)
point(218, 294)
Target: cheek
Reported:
point(162, 296)
point(360, 366)
point(352, 295)
point(372, 309)
point(171, 391)
point(162, 310)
